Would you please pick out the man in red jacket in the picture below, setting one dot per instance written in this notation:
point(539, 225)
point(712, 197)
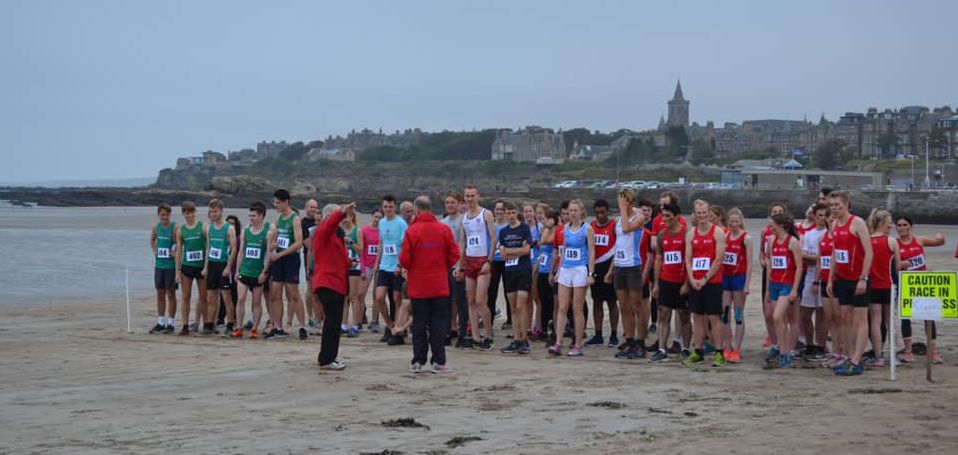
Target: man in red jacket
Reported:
point(330, 279)
point(428, 252)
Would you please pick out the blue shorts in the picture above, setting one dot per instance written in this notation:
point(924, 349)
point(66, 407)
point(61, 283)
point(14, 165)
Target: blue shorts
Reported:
point(778, 290)
point(733, 283)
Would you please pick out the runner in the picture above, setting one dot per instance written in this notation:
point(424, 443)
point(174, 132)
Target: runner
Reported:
point(252, 268)
point(813, 319)
point(391, 229)
point(627, 273)
point(234, 221)
point(164, 273)
point(683, 326)
point(459, 318)
point(767, 306)
point(498, 267)
point(648, 259)
point(718, 217)
point(784, 275)
point(576, 272)
point(670, 285)
point(191, 244)
point(604, 230)
point(287, 239)
point(530, 216)
point(833, 321)
point(912, 250)
point(848, 280)
point(354, 252)
point(308, 222)
point(704, 254)
point(545, 266)
point(885, 258)
point(515, 246)
point(475, 264)
point(222, 254)
point(370, 234)
point(736, 279)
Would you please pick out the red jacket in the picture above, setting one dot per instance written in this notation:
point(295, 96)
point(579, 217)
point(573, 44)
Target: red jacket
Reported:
point(331, 263)
point(428, 252)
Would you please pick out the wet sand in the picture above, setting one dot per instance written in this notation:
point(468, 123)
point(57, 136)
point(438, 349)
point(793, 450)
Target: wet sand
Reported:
point(73, 381)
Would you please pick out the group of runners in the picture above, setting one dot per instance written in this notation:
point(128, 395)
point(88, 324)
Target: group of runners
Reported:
point(827, 277)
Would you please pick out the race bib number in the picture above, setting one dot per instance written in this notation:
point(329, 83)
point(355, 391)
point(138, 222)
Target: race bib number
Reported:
point(730, 259)
point(215, 253)
point(389, 250)
point(826, 263)
point(543, 260)
point(779, 262)
point(601, 240)
point(372, 250)
point(512, 262)
point(253, 252)
point(472, 241)
point(841, 256)
point(282, 242)
point(672, 258)
point(701, 264)
point(916, 262)
point(572, 254)
point(163, 253)
point(311, 230)
point(620, 255)
point(194, 256)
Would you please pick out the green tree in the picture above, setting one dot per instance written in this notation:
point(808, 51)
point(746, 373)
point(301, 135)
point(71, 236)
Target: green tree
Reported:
point(677, 141)
point(294, 152)
point(829, 155)
point(702, 152)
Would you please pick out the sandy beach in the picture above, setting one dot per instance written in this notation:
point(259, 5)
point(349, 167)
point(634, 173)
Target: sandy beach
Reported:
point(75, 382)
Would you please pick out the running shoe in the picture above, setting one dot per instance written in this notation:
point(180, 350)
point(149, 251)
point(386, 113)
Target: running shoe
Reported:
point(613, 341)
point(726, 353)
point(524, 347)
point(158, 328)
point(169, 330)
point(936, 357)
point(555, 349)
point(785, 360)
point(374, 327)
point(248, 325)
point(623, 345)
point(800, 346)
point(773, 354)
point(675, 348)
point(353, 332)
point(194, 327)
point(735, 357)
point(767, 343)
point(659, 356)
point(302, 334)
point(487, 344)
point(834, 361)
point(653, 328)
point(253, 334)
point(848, 369)
point(595, 341)
point(185, 331)
point(440, 369)
point(507, 325)
point(511, 349)
point(692, 359)
point(906, 356)
point(342, 330)
point(237, 333)
point(333, 366)
point(707, 347)
point(465, 343)
point(386, 335)
point(875, 362)
point(625, 353)
point(271, 334)
point(396, 340)
point(575, 352)
point(718, 360)
point(280, 333)
point(686, 353)
point(415, 368)
point(312, 323)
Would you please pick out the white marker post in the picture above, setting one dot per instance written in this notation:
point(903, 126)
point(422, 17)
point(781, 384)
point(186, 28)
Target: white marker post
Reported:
point(129, 323)
point(894, 320)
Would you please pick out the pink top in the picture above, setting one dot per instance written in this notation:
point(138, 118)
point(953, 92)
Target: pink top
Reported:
point(371, 244)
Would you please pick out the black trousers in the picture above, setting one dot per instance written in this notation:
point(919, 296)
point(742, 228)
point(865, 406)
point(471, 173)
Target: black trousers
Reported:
point(430, 323)
point(458, 289)
point(496, 270)
point(547, 300)
point(333, 311)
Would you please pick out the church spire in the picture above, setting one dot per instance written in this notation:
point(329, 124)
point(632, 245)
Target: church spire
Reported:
point(678, 91)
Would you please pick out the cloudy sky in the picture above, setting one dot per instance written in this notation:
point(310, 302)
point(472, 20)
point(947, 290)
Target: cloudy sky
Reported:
point(117, 89)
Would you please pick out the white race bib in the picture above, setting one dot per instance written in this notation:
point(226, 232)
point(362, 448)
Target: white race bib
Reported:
point(601, 240)
point(252, 252)
point(472, 241)
point(163, 253)
point(701, 264)
point(672, 257)
point(841, 256)
point(215, 253)
point(779, 262)
point(389, 250)
point(916, 262)
point(572, 254)
point(730, 259)
point(194, 256)
point(826, 263)
point(543, 259)
point(372, 250)
point(311, 230)
point(512, 262)
point(282, 242)
point(620, 255)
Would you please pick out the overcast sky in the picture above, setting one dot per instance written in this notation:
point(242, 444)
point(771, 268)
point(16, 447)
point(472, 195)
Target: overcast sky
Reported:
point(115, 89)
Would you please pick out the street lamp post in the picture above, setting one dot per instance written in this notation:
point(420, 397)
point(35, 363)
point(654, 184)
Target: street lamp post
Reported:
point(927, 177)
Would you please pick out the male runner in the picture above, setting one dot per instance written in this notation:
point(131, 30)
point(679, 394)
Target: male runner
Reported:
point(222, 254)
point(704, 252)
point(287, 239)
point(478, 234)
point(670, 284)
point(164, 273)
point(253, 263)
point(191, 245)
point(603, 228)
point(308, 222)
point(391, 230)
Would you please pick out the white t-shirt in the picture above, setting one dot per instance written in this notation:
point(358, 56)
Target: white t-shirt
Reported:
point(810, 243)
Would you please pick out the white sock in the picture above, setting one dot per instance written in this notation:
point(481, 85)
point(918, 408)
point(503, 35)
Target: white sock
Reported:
point(343, 326)
point(160, 320)
point(171, 321)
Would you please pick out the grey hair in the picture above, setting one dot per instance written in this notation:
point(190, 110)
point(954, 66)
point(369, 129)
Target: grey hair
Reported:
point(329, 208)
point(423, 203)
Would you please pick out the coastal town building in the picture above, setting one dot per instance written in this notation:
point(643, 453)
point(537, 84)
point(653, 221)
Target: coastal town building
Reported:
point(529, 144)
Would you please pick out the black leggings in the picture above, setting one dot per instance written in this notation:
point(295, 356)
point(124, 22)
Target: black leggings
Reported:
point(496, 271)
point(906, 329)
point(546, 301)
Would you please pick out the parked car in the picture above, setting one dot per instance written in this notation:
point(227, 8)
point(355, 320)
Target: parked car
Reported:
point(566, 184)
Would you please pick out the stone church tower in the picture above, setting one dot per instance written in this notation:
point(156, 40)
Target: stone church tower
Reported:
point(678, 108)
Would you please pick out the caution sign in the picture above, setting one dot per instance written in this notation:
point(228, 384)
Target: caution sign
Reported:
point(928, 296)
